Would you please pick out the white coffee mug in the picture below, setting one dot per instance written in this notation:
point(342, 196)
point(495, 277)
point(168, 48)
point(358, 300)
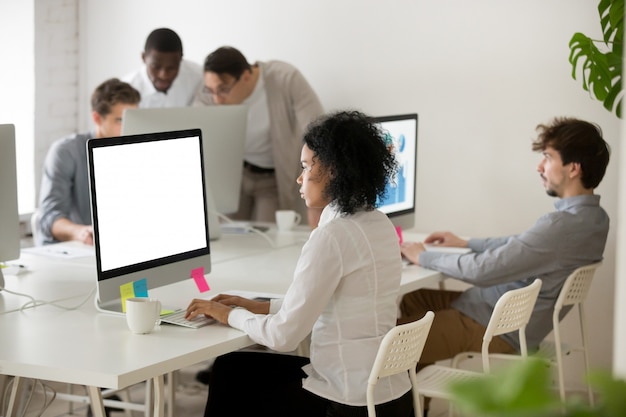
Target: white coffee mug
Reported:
point(287, 219)
point(142, 314)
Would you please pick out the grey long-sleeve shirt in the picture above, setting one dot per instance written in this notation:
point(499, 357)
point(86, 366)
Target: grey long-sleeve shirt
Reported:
point(64, 188)
point(558, 243)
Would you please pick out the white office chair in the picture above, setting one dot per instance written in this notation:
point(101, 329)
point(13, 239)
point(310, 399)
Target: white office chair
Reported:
point(511, 312)
point(399, 351)
point(574, 293)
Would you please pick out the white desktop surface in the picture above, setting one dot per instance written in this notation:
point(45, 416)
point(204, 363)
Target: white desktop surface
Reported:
point(96, 349)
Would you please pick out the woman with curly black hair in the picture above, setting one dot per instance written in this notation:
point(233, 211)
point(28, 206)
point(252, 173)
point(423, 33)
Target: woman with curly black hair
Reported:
point(343, 292)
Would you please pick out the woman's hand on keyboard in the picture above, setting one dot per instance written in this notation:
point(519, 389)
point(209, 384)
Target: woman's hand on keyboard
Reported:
point(253, 306)
point(209, 308)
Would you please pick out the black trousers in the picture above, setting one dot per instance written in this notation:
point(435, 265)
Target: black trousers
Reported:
point(270, 384)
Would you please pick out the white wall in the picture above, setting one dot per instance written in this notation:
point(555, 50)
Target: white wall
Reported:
point(481, 75)
point(619, 364)
point(17, 86)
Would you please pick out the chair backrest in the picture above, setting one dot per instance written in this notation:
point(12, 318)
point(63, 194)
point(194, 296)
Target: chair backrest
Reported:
point(511, 312)
point(576, 286)
point(574, 292)
point(399, 351)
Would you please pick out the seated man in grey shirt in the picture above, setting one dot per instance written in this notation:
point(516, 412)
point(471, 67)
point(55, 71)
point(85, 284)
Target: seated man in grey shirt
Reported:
point(64, 208)
point(575, 157)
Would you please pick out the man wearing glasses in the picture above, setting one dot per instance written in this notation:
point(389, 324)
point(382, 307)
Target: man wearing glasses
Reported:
point(166, 79)
point(281, 103)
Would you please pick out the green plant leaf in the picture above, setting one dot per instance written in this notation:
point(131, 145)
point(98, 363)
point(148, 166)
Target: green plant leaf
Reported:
point(524, 390)
point(519, 390)
point(612, 394)
point(612, 20)
point(601, 68)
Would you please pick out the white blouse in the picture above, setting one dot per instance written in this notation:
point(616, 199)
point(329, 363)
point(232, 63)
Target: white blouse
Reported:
point(344, 291)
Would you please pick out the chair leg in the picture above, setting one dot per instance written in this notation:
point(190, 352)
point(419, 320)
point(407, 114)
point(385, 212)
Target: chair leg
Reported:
point(417, 406)
point(585, 353)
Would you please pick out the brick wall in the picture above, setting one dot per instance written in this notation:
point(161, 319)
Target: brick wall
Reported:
point(56, 74)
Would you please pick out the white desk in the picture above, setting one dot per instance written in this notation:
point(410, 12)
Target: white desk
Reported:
point(97, 350)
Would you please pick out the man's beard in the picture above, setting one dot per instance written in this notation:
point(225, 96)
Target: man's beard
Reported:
point(551, 192)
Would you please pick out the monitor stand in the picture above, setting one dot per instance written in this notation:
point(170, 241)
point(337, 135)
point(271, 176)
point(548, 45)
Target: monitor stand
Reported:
point(114, 306)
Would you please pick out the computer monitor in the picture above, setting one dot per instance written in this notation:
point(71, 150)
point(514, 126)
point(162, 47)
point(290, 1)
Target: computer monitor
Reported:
point(9, 216)
point(223, 134)
point(148, 205)
point(399, 201)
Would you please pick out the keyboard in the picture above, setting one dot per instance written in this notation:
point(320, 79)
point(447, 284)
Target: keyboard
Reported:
point(178, 318)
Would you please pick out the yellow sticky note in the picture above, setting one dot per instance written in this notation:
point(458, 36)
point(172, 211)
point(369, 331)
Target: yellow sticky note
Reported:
point(126, 291)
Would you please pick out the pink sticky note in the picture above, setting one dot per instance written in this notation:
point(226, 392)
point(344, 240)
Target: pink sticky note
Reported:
point(399, 232)
point(198, 276)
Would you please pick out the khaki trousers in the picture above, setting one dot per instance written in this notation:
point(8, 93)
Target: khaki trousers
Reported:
point(258, 197)
point(452, 332)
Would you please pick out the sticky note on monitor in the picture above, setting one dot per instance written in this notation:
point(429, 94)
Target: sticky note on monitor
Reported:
point(198, 276)
point(132, 289)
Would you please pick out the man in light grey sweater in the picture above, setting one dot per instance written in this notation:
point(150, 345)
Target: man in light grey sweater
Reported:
point(281, 104)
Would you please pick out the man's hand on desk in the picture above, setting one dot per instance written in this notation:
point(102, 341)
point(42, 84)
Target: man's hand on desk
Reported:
point(220, 307)
point(445, 239)
point(85, 235)
point(411, 251)
point(64, 230)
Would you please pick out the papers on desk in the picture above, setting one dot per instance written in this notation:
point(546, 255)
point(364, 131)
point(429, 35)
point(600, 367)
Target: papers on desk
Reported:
point(12, 269)
point(445, 249)
point(60, 251)
point(236, 227)
point(242, 227)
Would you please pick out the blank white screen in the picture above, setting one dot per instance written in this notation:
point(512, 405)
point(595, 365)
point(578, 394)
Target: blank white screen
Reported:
point(149, 200)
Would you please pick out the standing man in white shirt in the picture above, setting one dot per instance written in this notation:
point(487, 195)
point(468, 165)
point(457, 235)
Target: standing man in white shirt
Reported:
point(166, 79)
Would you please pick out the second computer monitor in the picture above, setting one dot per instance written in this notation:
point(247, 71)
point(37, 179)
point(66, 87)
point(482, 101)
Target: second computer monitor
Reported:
point(9, 217)
point(223, 134)
point(399, 200)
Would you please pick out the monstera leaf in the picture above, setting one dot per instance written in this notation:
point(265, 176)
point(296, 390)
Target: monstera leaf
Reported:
point(524, 390)
point(600, 61)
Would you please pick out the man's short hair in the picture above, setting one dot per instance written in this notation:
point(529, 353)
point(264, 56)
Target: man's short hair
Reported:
point(164, 40)
point(576, 141)
point(227, 60)
point(112, 92)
